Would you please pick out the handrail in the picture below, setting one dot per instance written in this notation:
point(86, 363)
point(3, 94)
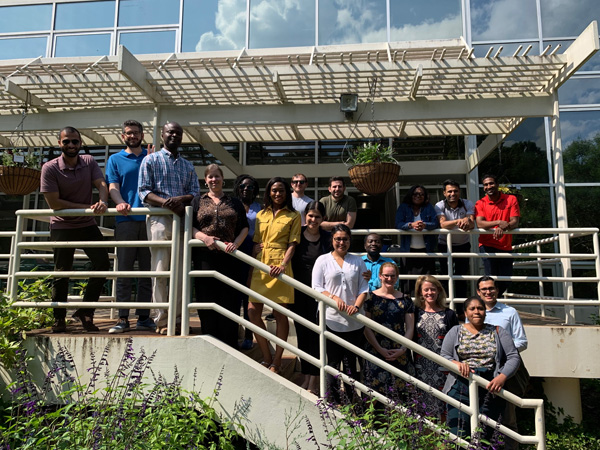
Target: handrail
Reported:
point(474, 381)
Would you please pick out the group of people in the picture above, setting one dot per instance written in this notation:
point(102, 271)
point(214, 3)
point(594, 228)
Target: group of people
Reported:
point(302, 238)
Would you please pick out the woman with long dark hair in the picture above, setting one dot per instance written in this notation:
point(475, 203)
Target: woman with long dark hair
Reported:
point(314, 242)
point(276, 235)
point(338, 275)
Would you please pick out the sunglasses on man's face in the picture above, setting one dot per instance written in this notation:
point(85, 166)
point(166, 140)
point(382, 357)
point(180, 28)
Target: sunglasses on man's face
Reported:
point(298, 181)
point(70, 141)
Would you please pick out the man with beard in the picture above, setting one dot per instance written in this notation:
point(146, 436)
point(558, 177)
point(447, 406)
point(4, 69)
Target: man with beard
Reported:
point(373, 260)
point(166, 180)
point(67, 183)
point(339, 207)
point(500, 212)
point(122, 172)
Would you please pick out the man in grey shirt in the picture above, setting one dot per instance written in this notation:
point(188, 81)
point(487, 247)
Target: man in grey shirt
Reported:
point(455, 213)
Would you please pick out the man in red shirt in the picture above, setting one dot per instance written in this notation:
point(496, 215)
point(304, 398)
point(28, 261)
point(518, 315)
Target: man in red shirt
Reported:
point(499, 212)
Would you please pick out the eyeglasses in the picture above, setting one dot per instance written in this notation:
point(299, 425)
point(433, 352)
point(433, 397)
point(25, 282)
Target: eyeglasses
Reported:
point(70, 141)
point(341, 239)
point(418, 194)
point(132, 133)
point(250, 187)
point(298, 181)
point(487, 289)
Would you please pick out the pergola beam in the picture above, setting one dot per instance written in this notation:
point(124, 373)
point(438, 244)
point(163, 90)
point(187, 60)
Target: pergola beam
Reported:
point(24, 95)
point(216, 149)
point(135, 72)
point(484, 149)
point(95, 137)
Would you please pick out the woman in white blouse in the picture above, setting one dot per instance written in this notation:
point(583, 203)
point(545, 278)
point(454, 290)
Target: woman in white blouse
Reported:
point(338, 276)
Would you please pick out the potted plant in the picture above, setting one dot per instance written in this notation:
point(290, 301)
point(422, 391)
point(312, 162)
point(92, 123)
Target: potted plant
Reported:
point(374, 169)
point(19, 172)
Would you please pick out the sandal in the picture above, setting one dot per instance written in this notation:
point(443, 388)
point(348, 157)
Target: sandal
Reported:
point(275, 369)
point(265, 364)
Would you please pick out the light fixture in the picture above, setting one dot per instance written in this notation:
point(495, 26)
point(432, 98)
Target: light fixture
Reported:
point(348, 104)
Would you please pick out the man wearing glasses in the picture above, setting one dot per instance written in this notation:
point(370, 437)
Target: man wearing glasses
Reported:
point(122, 172)
point(507, 317)
point(299, 200)
point(67, 183)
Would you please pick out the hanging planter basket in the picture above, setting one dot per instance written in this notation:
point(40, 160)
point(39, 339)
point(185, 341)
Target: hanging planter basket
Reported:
point(15, 180)
point(374, 178)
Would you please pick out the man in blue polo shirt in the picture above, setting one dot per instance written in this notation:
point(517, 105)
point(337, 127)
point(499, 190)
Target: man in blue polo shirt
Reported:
point(373, 260)
point(122, 172)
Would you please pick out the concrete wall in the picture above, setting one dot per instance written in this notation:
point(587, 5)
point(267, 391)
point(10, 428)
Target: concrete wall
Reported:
point(273, 405)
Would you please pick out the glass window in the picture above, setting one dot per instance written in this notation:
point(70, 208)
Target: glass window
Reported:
point(213, 25)
point(279, 23)
point(149, 42)
point(19, 18)
point(148, 12)
point(522, 157)
point(430, 19)
point(580, 91)
point(23, 48)
point(75, 16)
point(506, 19)
point(507, 49)
point(360, 21)
point(82, 45)
point(581, 146)
point(566, 18)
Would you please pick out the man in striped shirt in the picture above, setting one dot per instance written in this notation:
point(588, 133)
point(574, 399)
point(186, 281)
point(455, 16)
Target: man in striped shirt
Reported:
point(167, 180)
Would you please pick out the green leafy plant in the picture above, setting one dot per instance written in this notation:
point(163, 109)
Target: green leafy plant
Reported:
point(14, 322)
point(21, 158)
point(371, 152)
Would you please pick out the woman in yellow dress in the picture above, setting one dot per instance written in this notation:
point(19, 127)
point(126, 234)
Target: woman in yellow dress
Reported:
point(276, 234)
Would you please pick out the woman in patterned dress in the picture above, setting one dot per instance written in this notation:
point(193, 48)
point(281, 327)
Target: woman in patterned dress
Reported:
point(393, 310)
point(432, 321)
point(276, 233)
point(483, 349)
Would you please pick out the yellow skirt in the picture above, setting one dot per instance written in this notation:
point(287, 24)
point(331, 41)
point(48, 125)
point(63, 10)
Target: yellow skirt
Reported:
point(264, 284)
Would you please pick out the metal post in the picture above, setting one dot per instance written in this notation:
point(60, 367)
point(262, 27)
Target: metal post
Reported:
point(16, 259)
point(597, 260)
point(173, 280)
point(474, 403)
point(561, 207)
point(540, 274)
point(187, 264)
point(450, 271)
point(322, 348)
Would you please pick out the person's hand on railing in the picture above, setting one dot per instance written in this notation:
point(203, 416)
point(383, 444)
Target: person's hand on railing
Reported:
point(209, 241)
point(277, 270)
point(503, 225)
point(99, 207)
point(463, 368)
point(124, 208)
point(497, 383)
point(174, 204)
point(230, 247)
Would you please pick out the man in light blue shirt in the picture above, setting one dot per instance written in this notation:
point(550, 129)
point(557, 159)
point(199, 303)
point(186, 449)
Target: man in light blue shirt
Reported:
point(373, 260)
point(501, 314)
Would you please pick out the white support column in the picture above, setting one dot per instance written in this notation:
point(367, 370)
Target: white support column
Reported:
point(564, 393)
point(473, 195)
point(561, 205)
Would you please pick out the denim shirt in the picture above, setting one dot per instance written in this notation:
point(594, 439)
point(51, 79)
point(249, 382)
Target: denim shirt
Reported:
point(404, 216)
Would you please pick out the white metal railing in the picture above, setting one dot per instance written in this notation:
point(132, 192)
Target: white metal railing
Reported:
point(472, 409)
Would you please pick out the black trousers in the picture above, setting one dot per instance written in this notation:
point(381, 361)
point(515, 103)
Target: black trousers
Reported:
point(308, 341)
point(336, 355)
point(63, 261)
point(209, 289)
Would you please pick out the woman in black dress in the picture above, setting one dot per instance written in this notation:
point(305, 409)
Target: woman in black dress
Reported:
point(314, 243)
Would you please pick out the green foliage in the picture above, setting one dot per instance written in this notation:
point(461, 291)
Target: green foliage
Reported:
point(371, 152)
point(125, 413)
point(31, 159)
point(14, 322)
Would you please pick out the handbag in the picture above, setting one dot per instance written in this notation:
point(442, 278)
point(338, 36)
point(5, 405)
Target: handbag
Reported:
point(518, 384)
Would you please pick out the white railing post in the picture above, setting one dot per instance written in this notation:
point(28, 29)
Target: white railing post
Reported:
point(173, 280)
point(322, 348)
point(474, 404)
point(14, 283)
point(450, 270)
point(597, 261)
point(186, 289)
point(540, 271)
